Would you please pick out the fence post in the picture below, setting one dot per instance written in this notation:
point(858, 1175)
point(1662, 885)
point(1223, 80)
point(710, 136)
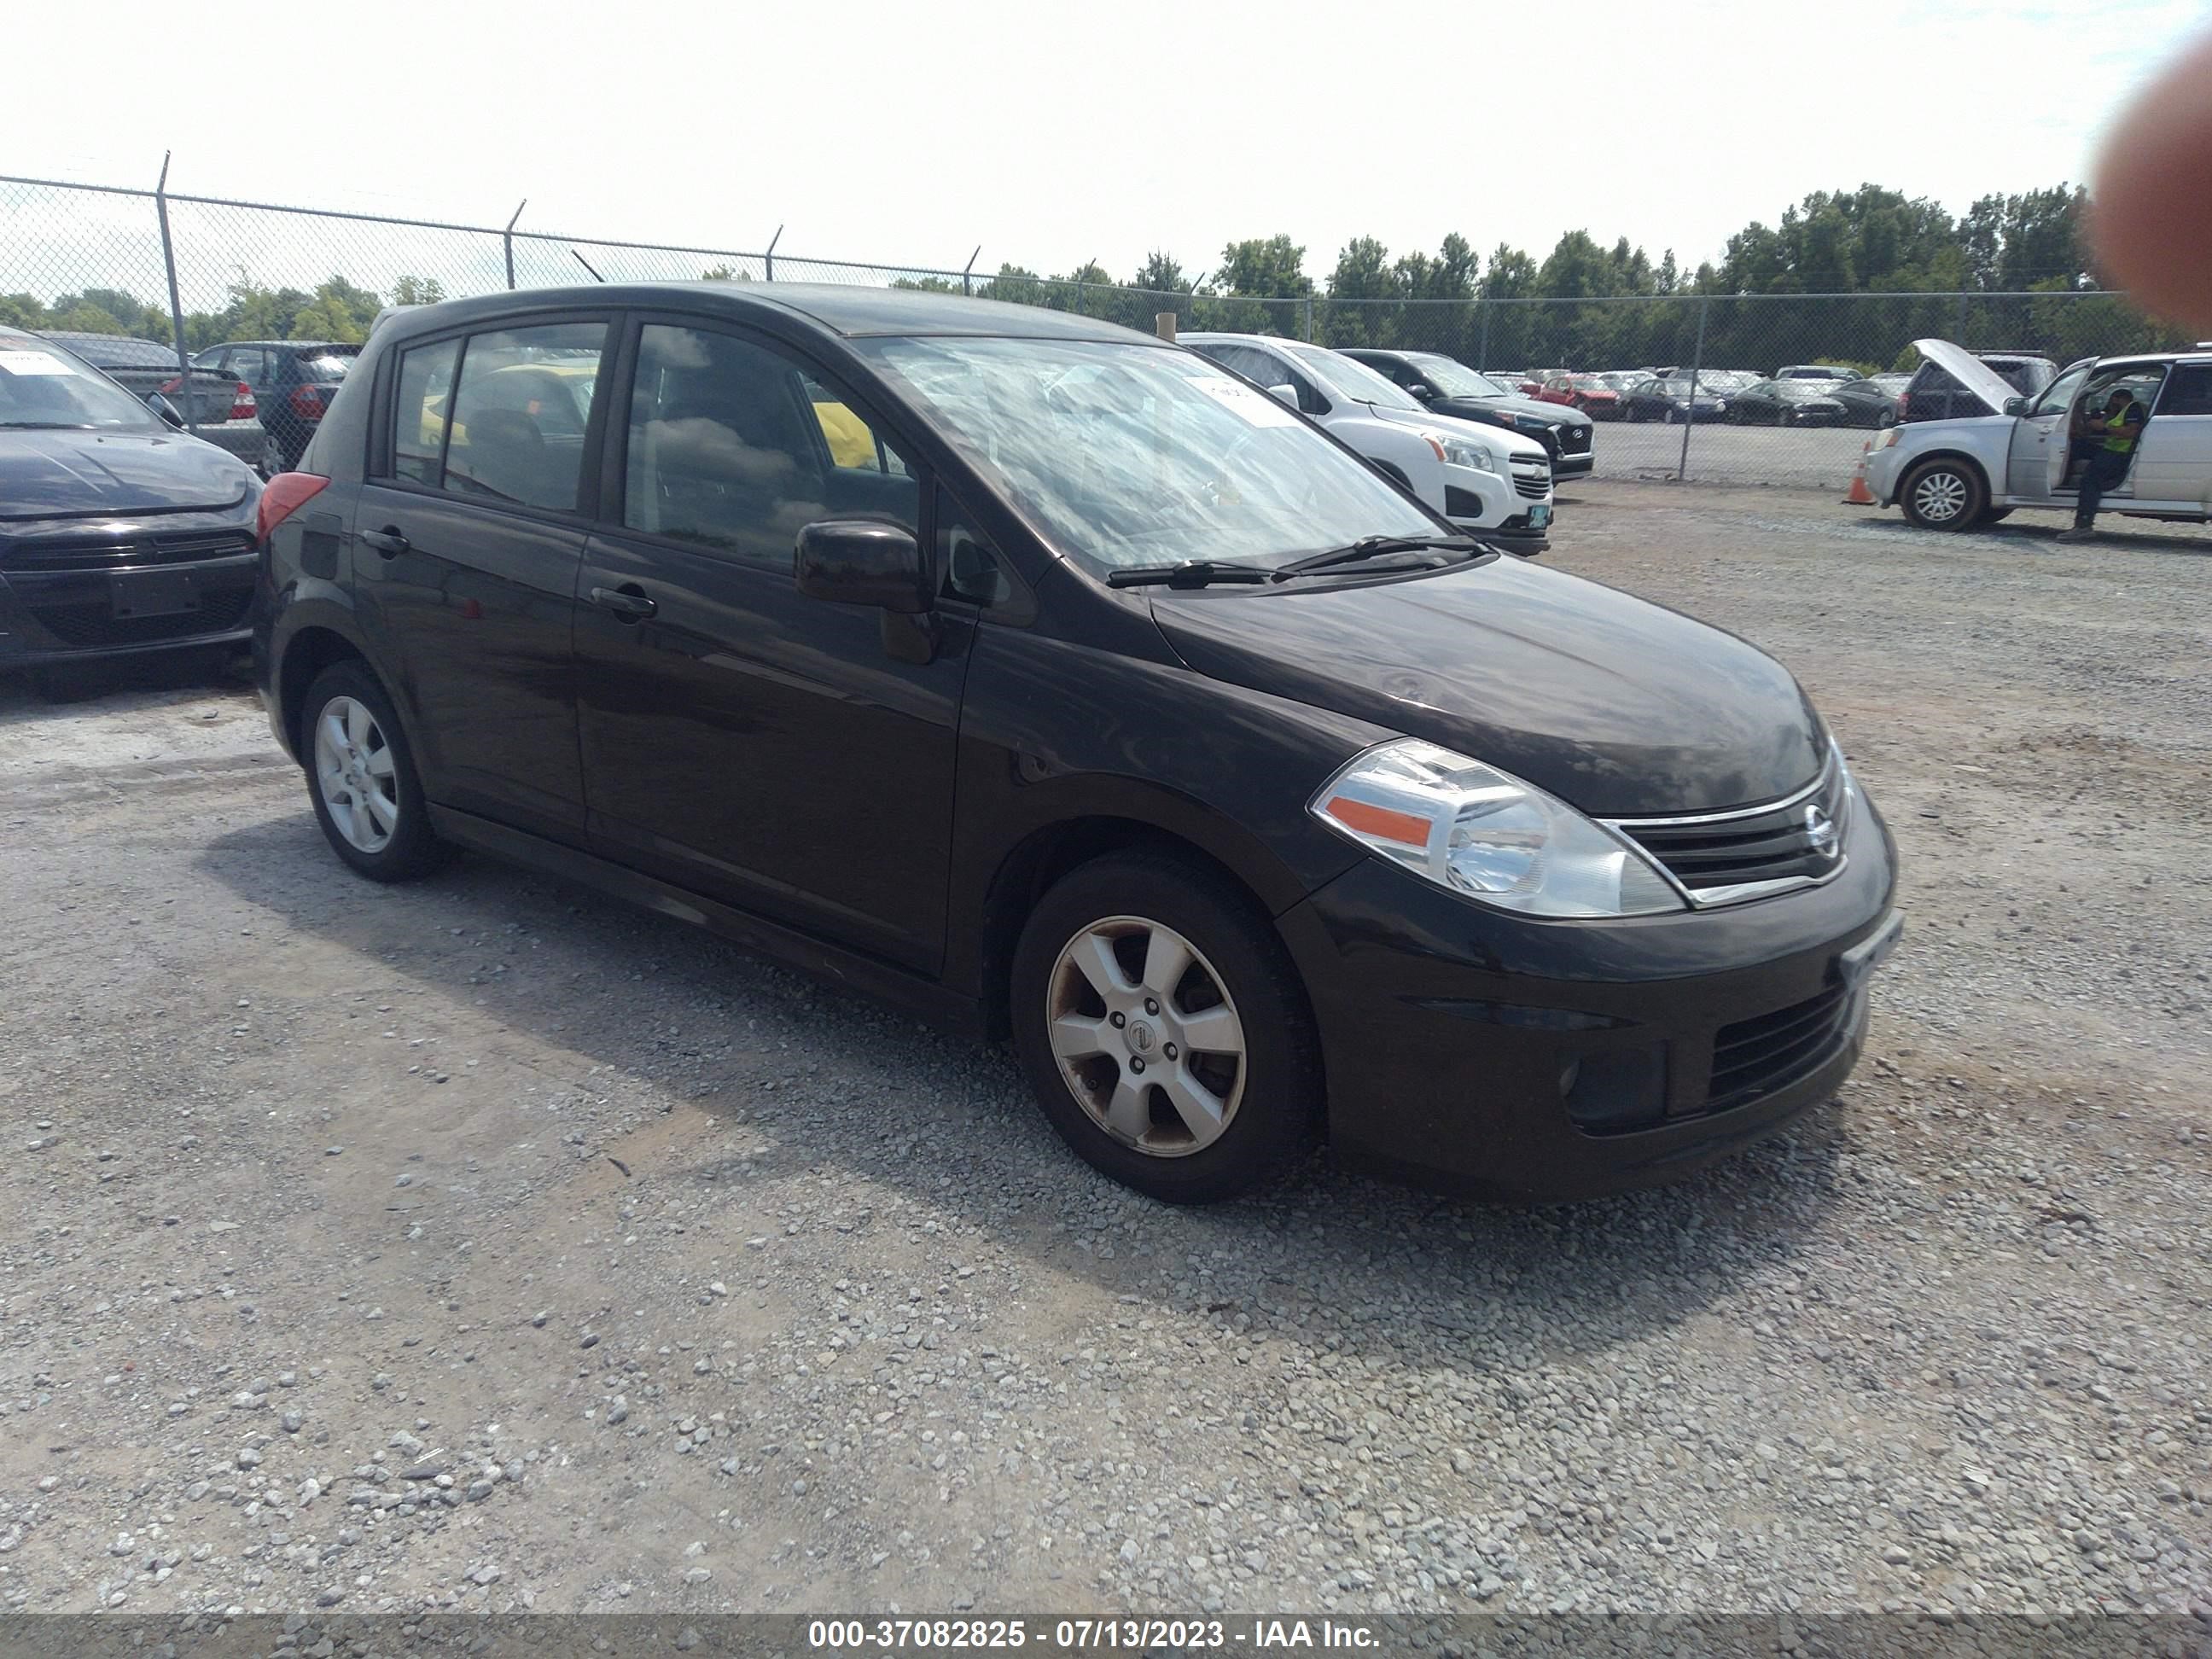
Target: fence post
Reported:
point(1482, 351)
point(1307, 332)
point(967, 282)
point(506, 241)
point(176, 304)
point(1690, 417)
point(1079, 296)
point(768, 257)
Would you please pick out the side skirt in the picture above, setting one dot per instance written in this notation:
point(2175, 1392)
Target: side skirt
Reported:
point(851, 969)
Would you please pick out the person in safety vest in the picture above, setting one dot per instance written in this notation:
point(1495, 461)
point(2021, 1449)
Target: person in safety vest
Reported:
point(2112, 436)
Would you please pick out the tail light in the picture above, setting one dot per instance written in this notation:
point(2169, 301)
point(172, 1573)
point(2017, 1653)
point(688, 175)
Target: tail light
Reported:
point(285, 494)
point(242, 406)
point(308, 401)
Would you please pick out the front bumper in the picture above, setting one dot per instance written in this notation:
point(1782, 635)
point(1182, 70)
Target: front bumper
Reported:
point(1883, 467)
point(73, 592)
point(1500, 1057)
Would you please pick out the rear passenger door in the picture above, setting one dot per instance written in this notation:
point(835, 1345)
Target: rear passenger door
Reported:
point(465, 548)
point(787, 756)
point(2174, 455)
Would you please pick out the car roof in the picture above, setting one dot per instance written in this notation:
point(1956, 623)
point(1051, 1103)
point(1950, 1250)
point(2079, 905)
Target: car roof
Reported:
point(853, 311)
point(291, 345)
point(70, 337)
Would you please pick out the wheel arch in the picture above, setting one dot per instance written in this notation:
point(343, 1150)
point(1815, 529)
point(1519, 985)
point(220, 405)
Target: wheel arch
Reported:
point(307, 653)
point(1966, 457)
point(1050, 851)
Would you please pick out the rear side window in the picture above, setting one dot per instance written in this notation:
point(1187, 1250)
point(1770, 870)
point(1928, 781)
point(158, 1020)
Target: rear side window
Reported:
point(735, 447)
point(2189, 391)
point(325, 366)
point(426, 390)
point(517, 421)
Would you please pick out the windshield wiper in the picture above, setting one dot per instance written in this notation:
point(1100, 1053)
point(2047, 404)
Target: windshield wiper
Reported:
point(1368, 547)
point(1191, 573)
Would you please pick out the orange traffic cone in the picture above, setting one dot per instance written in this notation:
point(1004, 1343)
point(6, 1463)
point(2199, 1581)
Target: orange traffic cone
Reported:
point(1860, 496)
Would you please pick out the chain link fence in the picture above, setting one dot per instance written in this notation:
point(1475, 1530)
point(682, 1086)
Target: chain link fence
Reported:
point(192, 271)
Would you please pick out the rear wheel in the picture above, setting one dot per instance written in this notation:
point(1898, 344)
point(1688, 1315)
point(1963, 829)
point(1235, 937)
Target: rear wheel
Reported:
point(1943, 494)
point(361, 777)
point(1996, 514)
point(1163, 1030)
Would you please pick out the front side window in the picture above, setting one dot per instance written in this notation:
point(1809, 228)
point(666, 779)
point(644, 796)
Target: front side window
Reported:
point(2058, 397)
point(736, 447)
point(1125, 455)
point(1350, 382)
point(518, 431)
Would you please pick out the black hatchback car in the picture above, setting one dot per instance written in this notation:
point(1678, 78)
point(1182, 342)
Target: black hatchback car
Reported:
point(293, 382)
point(119, 535)
point(1046, 678)
point(1450, 387)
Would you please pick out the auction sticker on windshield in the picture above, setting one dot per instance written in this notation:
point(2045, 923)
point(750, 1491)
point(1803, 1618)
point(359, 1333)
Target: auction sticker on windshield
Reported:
point(33, 362)
point(1257, 407)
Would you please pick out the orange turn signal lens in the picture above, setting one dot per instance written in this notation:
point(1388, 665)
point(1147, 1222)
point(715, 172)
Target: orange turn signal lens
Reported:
point(1407, 829)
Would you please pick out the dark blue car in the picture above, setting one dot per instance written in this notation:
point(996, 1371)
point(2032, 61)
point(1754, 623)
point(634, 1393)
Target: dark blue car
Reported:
point(119, 535)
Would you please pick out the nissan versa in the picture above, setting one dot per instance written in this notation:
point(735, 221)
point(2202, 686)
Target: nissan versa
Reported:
point(1047, 679)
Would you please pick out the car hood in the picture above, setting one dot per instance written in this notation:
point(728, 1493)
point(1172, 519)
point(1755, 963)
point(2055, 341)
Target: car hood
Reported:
point(1620, 706)
point(1476, 409)
point(1970, 371)
point(73, 473)
point(1513, 443)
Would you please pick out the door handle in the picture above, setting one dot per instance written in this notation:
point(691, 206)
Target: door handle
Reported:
point(630, 602)
point(387, 541)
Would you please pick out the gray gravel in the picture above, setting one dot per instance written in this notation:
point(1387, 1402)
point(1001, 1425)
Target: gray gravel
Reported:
point(483, 1244)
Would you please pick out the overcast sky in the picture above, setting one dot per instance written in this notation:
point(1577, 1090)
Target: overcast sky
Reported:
point(910, 133)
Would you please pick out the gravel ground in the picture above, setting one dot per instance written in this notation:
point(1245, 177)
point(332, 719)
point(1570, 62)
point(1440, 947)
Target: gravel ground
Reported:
point(1803, 457)
point(484, 1245)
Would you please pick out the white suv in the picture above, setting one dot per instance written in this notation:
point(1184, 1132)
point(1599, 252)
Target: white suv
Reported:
point(1481, 477)
point(2027, 452)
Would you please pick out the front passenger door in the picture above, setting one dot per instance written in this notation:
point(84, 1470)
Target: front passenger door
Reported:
point(2038, 447)
point(787, 756)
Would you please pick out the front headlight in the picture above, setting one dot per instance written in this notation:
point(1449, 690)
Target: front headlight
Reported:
point(1888, 438)
point(1479, 832)
point(1459, 452)
point(1720, 406)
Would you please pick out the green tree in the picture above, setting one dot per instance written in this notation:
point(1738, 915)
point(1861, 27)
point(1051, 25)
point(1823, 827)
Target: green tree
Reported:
point(1271, 267)
point(23, 311)
point(428, 290)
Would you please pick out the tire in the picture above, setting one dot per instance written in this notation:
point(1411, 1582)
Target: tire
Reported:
point(1668, 419)
point(1119, 922)
point(355, 753)
point(1943, 495)
point(1995, 514)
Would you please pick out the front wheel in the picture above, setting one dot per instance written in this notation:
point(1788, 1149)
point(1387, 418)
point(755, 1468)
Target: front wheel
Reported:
point(1943, 495)
point(1164, 1031)
point(360, 776)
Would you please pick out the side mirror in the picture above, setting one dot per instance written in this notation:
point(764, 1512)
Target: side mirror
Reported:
point(1289, 394)
point(1422, 390)
point(162, 407)
point(2014, 406)
point(862, 562)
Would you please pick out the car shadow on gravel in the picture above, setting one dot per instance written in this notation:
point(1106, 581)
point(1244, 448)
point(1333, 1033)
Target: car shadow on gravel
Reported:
point(835, 1080)
point(2042, 538)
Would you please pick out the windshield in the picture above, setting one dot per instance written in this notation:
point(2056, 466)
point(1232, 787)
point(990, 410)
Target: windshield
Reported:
point(42, 386)
point(1125, 455)
point(1340, 377)
point(1455, 379)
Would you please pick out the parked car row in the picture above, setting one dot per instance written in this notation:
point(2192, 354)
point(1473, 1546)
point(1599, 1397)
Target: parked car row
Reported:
point(259, 399)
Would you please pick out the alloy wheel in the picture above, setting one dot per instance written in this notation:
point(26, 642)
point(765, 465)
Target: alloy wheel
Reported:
point(1146, 1036)
point(354, 770)
point(1939, 497)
